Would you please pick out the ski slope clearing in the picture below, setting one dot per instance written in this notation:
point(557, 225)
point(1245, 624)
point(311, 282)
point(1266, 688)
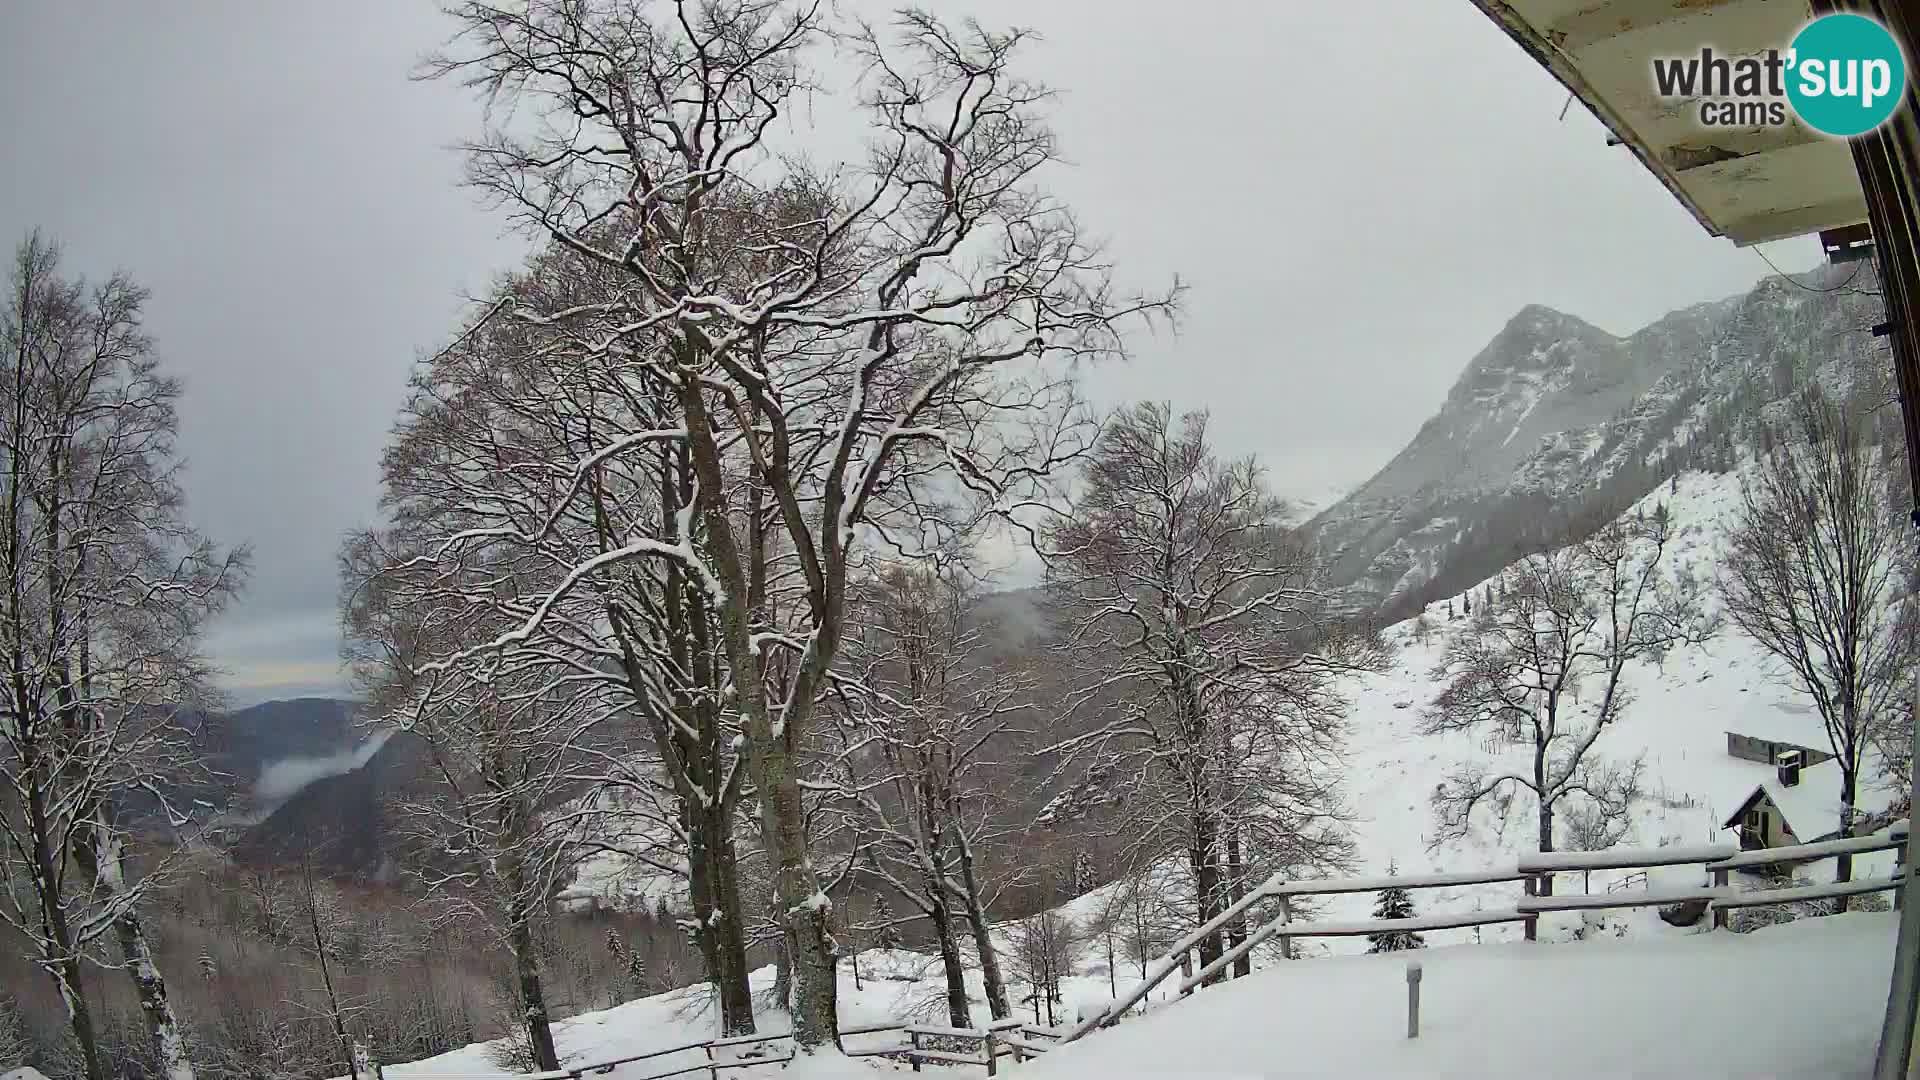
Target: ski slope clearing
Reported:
point(1799, 1000)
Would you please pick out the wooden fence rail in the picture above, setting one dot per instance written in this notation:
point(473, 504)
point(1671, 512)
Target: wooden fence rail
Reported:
point(1010, 1037)
point(1536, 870)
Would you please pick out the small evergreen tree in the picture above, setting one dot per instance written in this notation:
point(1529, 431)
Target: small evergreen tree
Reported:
point(615, 948)
point(886, 935)
point(1394, 902)
point(1085, 879)
point(637, 974)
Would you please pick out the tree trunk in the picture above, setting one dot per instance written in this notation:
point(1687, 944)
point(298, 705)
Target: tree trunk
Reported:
point(1206, 882)
point(1113, 988)
point(97, 853)
point(997, 1002)
point(958, 1011)
point(1545, 881)
point(714, 886)
point(60, 957)
point(1843, 865)
point(169, 1045)
point(532, 998)
point(1237, 891)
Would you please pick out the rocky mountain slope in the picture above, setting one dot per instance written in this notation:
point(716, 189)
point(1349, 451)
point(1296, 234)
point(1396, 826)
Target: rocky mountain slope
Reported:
point(1557, 423)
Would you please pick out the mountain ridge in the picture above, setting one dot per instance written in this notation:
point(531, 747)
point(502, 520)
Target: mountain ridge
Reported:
point(1556, 422)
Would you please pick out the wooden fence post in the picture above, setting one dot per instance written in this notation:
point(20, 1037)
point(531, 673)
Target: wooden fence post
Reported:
point(987, 1040)
point(1286, 939)
point(1186, 972)
point(1413, 999)
point(1900, 872)
point(1531, 926)
point(914, 1054)
point(1719, 913)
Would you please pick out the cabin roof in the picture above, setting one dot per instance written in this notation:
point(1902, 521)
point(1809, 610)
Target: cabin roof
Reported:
point(1747, 184)
point(1812, 807)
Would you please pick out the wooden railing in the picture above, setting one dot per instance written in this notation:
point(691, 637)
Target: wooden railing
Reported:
point(1535, 871)
point(1011, 1037)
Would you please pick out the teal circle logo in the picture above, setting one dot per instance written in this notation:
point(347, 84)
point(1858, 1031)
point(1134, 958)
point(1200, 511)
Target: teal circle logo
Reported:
point(1845, 75)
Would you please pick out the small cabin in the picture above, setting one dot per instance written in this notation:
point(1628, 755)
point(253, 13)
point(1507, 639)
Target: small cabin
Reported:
point(1800, 804)
point(1767, 751)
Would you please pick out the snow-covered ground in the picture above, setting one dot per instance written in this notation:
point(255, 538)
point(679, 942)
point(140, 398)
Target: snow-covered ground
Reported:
point(1799, 1000)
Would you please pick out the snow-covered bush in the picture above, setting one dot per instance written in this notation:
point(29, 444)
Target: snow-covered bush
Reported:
point(1747, 920)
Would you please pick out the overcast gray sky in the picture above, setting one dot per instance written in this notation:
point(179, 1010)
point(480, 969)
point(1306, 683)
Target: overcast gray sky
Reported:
point(1359, 193)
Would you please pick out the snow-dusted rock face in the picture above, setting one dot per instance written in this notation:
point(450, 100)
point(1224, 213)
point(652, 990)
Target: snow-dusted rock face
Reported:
point(1556, 421)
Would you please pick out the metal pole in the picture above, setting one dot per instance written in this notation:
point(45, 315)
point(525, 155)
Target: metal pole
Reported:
point(1413, 999)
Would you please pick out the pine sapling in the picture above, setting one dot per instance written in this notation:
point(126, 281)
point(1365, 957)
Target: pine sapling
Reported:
point(1394, 902)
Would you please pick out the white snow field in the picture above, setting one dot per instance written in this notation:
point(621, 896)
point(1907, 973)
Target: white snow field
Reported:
point(1798, 1000)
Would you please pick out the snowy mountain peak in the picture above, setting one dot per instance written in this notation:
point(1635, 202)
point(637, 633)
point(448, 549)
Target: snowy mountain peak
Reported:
point(1556, 421)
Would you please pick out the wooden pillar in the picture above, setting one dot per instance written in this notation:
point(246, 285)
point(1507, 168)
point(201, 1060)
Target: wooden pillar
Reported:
point(1531, 926)
point(1719, 913)
point(913, 1055)
point(1286, 916)
point(1900, 872)
point(987, 1041)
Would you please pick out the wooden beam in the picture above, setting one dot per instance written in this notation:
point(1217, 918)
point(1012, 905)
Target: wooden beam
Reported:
point(1593, 25)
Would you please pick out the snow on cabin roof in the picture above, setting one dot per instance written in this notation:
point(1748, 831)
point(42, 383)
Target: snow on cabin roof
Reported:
point(1812, 807)
point(1798, 726)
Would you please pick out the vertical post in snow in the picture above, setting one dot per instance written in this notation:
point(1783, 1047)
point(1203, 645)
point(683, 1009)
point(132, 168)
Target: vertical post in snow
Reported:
point(1186, 971)
point(1286, 916)
point(1532, 923)
point(1899, 873)
point(915, 1055)
point(987, 1041)
point(1719, 913)
point(1413, 999)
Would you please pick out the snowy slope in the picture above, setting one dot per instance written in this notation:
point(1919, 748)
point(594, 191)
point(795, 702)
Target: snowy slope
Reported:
point(1681, 712)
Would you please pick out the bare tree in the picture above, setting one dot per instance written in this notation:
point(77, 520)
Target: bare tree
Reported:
point(1813, 575)
point(100, 623)
point(1044, 949)
point(926, 709)
point(830, 340)
point(1544, 669)
point(1194, 617)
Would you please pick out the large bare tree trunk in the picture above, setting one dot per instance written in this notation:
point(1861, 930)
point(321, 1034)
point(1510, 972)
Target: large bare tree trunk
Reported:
point(996, 985)
point(1544, 883)
point(1236, 891)
point(533, 999)
point(719, 933)
point(64, 965)
point(97, 853)
point(169, 1045)
point(1843, 866)
point(958, 1010)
